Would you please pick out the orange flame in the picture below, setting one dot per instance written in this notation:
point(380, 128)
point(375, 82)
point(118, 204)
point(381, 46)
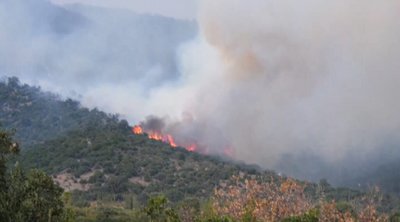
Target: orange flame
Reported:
point(155, 136)
point(169, 139)
point(192, 148)
point(137, 130)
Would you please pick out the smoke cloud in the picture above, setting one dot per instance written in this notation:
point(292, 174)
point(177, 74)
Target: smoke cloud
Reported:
point(307, 87)
point(92, 53)
point(310, 80)
point(185, 9)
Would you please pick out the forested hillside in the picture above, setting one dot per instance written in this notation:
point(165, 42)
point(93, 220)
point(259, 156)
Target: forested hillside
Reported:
point(107, 159)
point(38, 116)
point(96, 152)
point(96, 45)
point(97, 158)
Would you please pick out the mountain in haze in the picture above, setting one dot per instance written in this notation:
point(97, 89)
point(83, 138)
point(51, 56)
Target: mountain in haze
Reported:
point(95, 155)
point(95, 46)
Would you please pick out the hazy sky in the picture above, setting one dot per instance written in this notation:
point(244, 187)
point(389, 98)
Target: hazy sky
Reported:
point(282, 83)
point(186, 9)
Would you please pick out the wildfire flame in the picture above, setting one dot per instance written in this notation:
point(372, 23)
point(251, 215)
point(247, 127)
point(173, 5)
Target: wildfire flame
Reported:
point(169, 139)
point(191, 145)
point(192, 148)
point(137, 130)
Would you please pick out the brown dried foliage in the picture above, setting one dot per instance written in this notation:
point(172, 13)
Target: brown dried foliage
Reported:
point(262, 201)
point(273, 201)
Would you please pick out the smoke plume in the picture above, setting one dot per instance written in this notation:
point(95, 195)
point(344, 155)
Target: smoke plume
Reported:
point(113, 59)
point(308, 87)
point(294, 85)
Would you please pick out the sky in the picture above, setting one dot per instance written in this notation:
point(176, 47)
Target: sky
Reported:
point(183, 9)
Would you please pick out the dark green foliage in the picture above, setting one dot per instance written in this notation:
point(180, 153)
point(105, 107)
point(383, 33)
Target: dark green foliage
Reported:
point(40, 116)
point(395, 217)
point(26, 197)
point(311, 216)
point(7, 148)
point(157, 210)
point(106, 214)
point(344, 207)
point(125, 163)
point(41, 197)
point(208, 214)
point(97, 178)
point(63, 137)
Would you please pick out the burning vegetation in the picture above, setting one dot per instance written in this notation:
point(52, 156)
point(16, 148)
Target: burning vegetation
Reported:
point(189, 144)
point(187, 133)
point(166, 138)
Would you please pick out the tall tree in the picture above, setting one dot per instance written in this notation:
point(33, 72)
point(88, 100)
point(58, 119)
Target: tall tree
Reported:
point(31, 196)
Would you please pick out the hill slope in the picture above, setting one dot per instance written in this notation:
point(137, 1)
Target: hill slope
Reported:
point(92, 151)
point(39, 116)
point(109, 159)
point(96, 156)
point(96, 46)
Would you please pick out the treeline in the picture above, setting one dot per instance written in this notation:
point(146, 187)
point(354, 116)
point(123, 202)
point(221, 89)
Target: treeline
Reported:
point(27, 196)
point(109, 174)
point(33, 196)
point(98, 150)
point(38, 116)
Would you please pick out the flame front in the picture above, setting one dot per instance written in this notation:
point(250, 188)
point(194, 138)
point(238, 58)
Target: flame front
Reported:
point(155, 136)
point(137, 130)
point(192, 148)
point(169, 139)
point(190, 144)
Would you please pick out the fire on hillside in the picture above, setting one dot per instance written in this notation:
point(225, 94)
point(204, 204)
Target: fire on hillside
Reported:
point(166, 138)
point(190, 145)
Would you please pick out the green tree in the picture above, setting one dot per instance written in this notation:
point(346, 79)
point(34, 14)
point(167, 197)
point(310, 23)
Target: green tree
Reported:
point(26, 197)
point(311, 216)
point(7, 148)
point(42, 200)
point(158, 211)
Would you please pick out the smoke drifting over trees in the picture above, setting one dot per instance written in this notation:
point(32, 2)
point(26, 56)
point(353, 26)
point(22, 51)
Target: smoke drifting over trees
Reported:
point(309, 78)
point(299, 86)
point(109, 57)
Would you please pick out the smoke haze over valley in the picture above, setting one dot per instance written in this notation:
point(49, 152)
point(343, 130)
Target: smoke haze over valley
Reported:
point(309, 88)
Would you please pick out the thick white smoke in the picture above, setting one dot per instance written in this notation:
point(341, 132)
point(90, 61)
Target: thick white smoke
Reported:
point(307, 77)
point(286, 84)
point(112, 59)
